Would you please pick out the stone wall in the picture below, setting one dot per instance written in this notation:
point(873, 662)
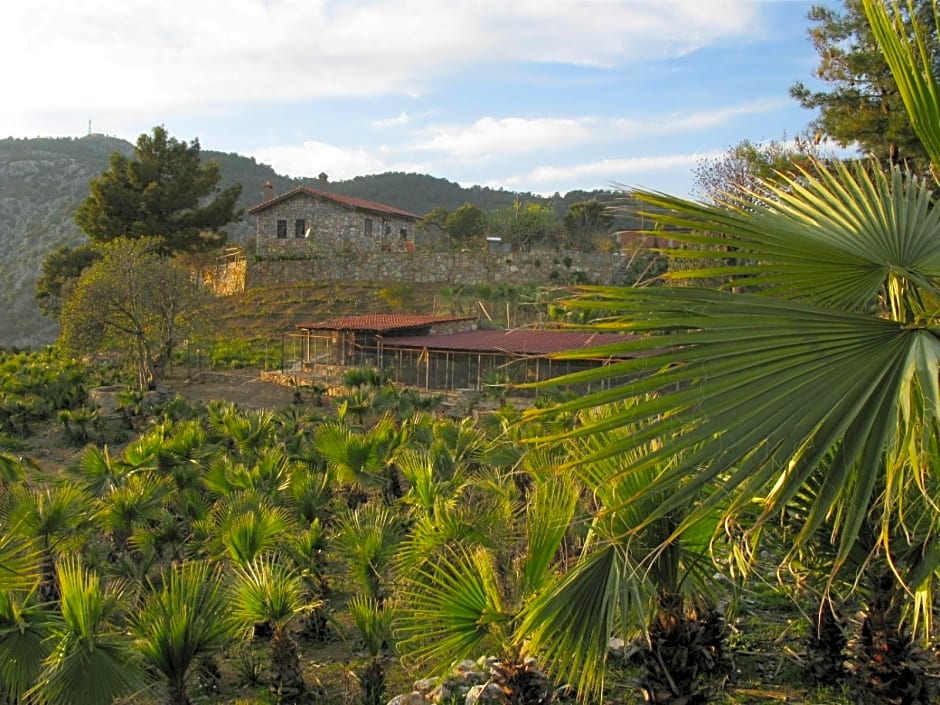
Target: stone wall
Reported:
point(432, 267)
point(227, 276)
point(332, 228)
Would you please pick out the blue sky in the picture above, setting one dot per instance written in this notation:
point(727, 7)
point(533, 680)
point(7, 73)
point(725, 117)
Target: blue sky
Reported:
point(527, 95)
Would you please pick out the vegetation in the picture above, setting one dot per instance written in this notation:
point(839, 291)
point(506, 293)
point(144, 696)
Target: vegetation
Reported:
point(305, 535)
point(743, 391)
point(165, 192)
point(748, 167)
point(134, 301)
point(46, 180)
point(862, 104)
point(226, 554)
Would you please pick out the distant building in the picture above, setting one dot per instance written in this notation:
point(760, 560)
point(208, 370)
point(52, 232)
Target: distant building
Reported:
point(305, 221)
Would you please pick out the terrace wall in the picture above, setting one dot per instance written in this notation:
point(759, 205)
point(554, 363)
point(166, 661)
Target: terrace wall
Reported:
point(435, 267)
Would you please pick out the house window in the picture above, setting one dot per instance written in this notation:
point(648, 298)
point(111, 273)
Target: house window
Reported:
point(388, 229)
point(282, 228)
point(300, 228)
point(403, 233)
point(368, 227)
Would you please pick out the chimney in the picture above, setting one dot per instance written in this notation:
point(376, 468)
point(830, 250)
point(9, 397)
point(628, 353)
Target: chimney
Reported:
point(268, 190)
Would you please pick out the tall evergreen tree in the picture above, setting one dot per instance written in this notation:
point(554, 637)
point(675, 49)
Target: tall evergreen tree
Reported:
point(862, 104)
point(163, 192)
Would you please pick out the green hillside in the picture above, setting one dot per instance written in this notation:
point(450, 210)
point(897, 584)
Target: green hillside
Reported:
point(44, 180)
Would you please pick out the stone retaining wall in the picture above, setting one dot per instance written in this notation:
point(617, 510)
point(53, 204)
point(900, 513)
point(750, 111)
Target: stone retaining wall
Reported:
point(473, 268)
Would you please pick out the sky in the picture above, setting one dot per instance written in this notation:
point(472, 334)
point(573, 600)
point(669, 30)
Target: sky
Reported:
point(538, 96)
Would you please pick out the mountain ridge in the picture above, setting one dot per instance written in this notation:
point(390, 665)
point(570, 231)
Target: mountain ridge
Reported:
point(43, 181)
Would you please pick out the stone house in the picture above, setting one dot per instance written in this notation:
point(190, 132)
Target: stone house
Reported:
point(305, 222)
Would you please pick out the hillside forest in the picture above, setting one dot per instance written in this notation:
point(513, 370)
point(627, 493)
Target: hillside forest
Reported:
point(43, 181)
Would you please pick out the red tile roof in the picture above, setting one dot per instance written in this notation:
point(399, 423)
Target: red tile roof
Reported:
point(382, 322)
point(516, 342)
point(349, 201)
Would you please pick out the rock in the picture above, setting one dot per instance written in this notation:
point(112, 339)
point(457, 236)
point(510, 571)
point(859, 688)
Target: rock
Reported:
point(486, 663)
point(454, 688)
point(471, 677)
point(484, 694)
point(426, 685)
point(615, 647)
point(413, 698)
point(464, 666)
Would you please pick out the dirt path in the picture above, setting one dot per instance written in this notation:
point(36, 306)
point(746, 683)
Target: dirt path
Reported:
point(242, 387)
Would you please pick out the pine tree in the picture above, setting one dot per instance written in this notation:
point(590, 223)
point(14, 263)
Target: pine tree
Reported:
point(862, 105)
point(163, 192)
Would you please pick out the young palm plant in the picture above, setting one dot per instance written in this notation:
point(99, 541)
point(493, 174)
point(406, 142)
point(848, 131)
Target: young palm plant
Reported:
point(648, 583)
point(374, 623)
point(467, 597)
point(266, 592)
point(90, 661)
point(354, 457)
point(184, 619)
point(365, 542)
point(308, 551)
point(55, 518)
point(24, 621)
point(24, 643)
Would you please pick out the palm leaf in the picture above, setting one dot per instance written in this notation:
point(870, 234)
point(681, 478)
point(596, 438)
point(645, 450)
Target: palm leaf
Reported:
point(90, 662)
point(751, 391)
point(19, 562)
point(570, 626)
point(185, 618)
point(450, 609)
point(24, 628)
point(374, 622)
point(549, 511)
point(833, 238)
point(265, 590)
point(365, 541)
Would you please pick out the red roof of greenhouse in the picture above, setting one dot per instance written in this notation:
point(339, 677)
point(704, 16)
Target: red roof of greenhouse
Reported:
point(382, 322)
point(517, 341)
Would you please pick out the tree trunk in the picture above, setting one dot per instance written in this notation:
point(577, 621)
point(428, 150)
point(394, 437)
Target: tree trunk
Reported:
point(889, 668)
point(288, 680)
point(144, 367)
point(825, 646)
point(371, 679)
point(176, 692)
point(685, 663)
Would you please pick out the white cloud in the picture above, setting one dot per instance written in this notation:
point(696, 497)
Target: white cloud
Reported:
point(311, 158)
point(661, 172)
point(498, 137)
point(490, 136)
point(612, 170)
point(340, 163)
point(402, 119)
point(134, 56)
point(695, 121)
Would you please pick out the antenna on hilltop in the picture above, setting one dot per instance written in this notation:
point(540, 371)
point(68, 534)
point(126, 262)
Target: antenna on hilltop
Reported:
point(89, 128)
